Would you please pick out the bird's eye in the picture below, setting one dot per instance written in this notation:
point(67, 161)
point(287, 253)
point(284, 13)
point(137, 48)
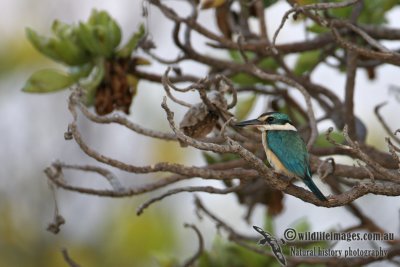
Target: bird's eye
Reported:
point(270, 119)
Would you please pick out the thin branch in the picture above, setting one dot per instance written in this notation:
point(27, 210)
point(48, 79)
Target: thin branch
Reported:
point(152, 77)
point(58, 220)
point(68, 259)
point(190, 262)
point(225, 82)
point(370, 173)
point(371, 41)
point(164, 81)
point(351, 71)
point(234, 236)
point(374, 165)
point(207, 189)
point(317, 6)
point(55, 175)
point(178, 59)
point(393, 151)
point(259, 6)
point(109, 176)
point(383, 122)
point(389, 57)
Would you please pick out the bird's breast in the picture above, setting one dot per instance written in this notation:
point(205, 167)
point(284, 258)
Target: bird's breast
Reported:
point(272, 158)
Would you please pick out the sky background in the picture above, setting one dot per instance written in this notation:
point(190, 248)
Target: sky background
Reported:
point(33, 127)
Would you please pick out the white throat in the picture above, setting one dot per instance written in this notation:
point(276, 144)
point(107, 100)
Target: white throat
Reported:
point(276, 127)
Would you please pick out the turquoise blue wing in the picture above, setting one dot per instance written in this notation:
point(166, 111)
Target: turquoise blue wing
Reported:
point(291, 151)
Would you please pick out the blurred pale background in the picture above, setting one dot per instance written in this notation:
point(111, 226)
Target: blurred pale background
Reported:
point(106, 232)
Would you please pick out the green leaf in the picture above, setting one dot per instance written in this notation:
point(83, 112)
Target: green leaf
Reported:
point(209, 158)
point(323, 143)
point(268, 3)
point(41, 44)
point(77, 45)
point(315, 28)
point(344, 12)
point(244, 107)
point(105, 31)
point(307, 61)
point(212, 158)
point(93, 82)
point(306, 2)
point(87, 39)
point(269, 224)
point(237, 57)
point(114, 33)
point(230, 254)
point(82, 71)
point(132, 44)
point(164, 259)
point(65, 48)
point(302, 225)
point(245, 79)
point(48, 80)
point(268, 64)
point(228, 157)
point(69, 52)
point(61, 29)
point(95, 39)
point(295, 114)
point(373, 12)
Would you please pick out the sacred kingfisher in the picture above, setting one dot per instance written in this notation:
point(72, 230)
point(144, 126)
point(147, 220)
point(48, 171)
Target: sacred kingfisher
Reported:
point(286, 151)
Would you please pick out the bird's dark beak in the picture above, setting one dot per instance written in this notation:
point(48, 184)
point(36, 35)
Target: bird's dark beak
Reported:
point(254, 122)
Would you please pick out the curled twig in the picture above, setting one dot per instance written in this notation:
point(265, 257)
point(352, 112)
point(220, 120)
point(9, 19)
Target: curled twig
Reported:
point(328, 171)
point(393, 151)
point(383, 122)
point(197, 85)
point(168, 91)
point(109, 176)
point(223, 128)
point(222, 80)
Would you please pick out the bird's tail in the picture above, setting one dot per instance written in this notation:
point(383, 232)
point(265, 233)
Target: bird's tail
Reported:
point(310, 184)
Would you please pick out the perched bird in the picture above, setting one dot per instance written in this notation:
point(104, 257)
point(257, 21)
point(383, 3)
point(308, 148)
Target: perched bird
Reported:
point(286, 151)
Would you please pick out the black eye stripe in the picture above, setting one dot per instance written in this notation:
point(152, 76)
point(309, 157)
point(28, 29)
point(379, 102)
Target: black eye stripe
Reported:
point(270, 119)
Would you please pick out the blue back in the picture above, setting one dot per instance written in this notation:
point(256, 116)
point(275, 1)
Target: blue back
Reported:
point(290, 150)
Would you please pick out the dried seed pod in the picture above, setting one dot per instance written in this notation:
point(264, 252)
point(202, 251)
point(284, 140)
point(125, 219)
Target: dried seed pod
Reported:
point(117, 90)
point(200, 120)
